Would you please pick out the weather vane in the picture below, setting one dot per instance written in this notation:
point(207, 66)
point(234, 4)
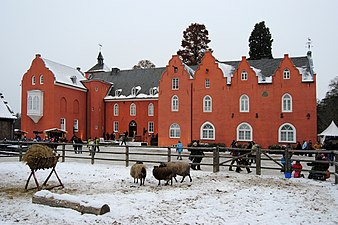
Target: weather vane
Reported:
point(100, 47)
point(309, 43)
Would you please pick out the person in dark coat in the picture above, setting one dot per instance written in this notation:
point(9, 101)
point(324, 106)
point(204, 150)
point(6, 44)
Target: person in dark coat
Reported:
point(319, 169)
point(234, 153)
point(196, 156)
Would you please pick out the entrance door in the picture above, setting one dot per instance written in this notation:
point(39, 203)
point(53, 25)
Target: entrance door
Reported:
point(132, 128)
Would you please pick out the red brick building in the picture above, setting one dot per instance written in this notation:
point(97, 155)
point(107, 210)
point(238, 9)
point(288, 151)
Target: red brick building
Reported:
point(269, 101)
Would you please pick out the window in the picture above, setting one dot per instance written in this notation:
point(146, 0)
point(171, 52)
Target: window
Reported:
point(174, 131)
point(287, 133)
point(151, 109)
point(207, 131)
point(286, 74)
point(41, 79)
point(151, 127)
point(174, 84)
point(207, 104)
point(286, 103)
point(35, 103)
point(116, 109)
point(118, 92)
point(174, 103)
point(76, 125)
point(153, 91)
point(33, 80)
point(244, 132)
point(63, 124)
point(244, 75)
point(244, 103)
point(133, 91)
point(133, 109)
point(116, 126)
point(207, 83)
point(30, 103)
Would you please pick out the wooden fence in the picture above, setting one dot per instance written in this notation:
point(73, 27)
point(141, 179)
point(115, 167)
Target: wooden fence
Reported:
point(215, 157)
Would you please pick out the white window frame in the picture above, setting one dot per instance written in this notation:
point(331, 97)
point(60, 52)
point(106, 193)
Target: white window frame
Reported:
point(150, 127)
point(76, 125)
point(117, 92)
point(207, 83)
point(133, 91)
point(41, 79)
point(35, 102)
point(287, 136)
point(174, 103)
point(207, 104)
point(244, 103)
point(132, 109)
point(151, 109)
point(33, 80)
point(244, 132)
point(116, 109)
point(286, 74)
point(207, 133)
point(286, 103)
point(116, 126)
point(175, 83)
point(244, 75)
point(174, 131)
point(63, 124)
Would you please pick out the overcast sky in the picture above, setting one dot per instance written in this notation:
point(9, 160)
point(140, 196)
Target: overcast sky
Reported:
point(68, 32)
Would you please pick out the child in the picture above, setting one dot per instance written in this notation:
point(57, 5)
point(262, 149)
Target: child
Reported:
point(297, 167)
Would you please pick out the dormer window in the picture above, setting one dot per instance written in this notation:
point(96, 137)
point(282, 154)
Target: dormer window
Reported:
point(244, 75)
point(133, 91)
point(153, 91)
point(118, 92)
point(73, 78)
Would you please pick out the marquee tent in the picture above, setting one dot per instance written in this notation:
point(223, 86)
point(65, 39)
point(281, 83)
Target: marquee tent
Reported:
point(330, 131)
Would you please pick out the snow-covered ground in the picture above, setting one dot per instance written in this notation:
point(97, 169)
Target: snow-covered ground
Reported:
point(211, 198)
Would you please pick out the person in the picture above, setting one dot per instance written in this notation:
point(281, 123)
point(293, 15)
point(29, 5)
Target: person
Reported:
point(297, 168)
point(124, 139)
point(234, 153)
point(243, 161)
point(196, 156)
point(304, 147)
point(179, 149)
point(112, 136)
point(283, 161)
point(309, 147)
point(97, 144)
point(319, 168)
point(74, 140)
point(298, 147)
point(79, 145)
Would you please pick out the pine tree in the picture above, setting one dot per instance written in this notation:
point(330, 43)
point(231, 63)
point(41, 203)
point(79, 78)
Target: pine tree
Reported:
point(260, 42)
point(195, 44)
point(144, 64)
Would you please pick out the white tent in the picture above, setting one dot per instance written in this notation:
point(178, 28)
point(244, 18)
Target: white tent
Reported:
point(330, 131)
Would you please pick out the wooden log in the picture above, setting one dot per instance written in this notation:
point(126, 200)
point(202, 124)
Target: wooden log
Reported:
point(45, 197)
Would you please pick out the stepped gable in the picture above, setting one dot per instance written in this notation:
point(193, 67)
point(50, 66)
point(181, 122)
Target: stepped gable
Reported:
point(5, 110)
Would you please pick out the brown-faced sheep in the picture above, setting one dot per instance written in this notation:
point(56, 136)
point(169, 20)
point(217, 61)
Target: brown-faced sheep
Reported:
point(162, 172)
point(138, 171)
point(181, 169)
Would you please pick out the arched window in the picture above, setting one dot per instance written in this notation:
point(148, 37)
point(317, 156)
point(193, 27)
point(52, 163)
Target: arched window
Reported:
point(76, 106)
point(286, 74)
point(36, 103)
point(33, 80)
point(244, 132)
point(244, 103)
point(207, 104)
point(244, 75)
point(41, 79)
point(286, 103)
point(63, 105)
point(132, 109)
point(151, 109)
point(287, 133)
point(174, 131)
point(133, 91)
point(174, 103)
point(207, 131)
point(116, 109)
point(63, 123)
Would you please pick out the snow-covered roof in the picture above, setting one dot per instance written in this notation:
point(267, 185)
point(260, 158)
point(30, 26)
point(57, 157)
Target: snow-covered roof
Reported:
point(261, 78)
point(65, 74)
point(6, 111)
point(189, 70)
point(306, 75)
point(228, 71)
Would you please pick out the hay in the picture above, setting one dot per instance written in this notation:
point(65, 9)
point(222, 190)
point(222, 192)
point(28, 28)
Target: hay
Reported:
point(37, 151)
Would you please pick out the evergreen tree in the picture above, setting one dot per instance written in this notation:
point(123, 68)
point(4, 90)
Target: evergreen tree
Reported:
point(260, 42)
point(195, 44)
point(327, 108)
point(144, 64)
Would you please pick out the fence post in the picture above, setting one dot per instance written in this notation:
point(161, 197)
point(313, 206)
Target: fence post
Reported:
point(258, 161)
point(336, 167)
point(63, 153)
point(20, 152)
point(215, 163)
point(127, 156)
point(169, 154)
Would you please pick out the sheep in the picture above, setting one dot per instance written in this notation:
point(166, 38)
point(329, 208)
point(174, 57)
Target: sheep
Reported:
point(162, 172)
point(181, 169)
point(138, 171)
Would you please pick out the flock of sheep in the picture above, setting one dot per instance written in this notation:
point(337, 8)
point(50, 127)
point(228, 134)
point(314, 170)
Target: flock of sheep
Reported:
point(165, 171)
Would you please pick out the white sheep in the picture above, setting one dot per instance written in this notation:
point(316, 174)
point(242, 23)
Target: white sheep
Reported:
point(180, 168)
point(138, 171)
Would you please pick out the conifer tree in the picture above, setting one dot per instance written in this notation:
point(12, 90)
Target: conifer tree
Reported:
point(260, 42)
point(144, 64)
point(195, 44)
